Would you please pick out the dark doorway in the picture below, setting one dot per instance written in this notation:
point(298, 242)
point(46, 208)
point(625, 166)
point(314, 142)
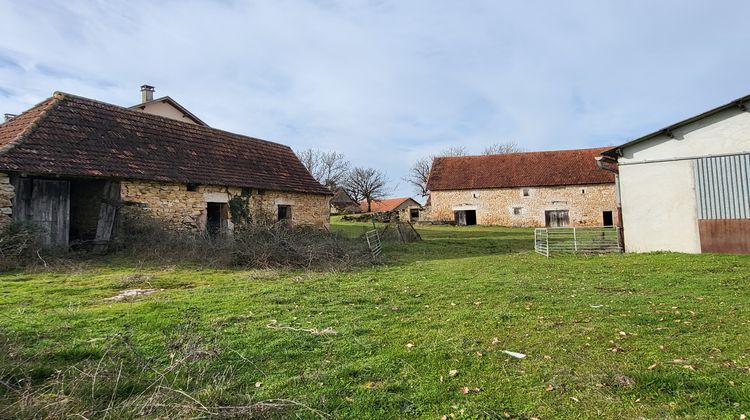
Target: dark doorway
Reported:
point(465, 217)
point(216, 217)
point(285, 212)
point(85, 200)
point(556, 218)
point(607, 218)
point(414, 214)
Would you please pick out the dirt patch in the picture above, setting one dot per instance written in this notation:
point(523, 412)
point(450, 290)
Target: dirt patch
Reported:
point(131, 293)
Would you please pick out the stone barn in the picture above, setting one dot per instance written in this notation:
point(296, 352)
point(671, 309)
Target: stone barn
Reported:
point(554, 188)
point(73, 165)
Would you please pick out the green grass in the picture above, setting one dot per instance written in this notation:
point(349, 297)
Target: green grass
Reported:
point(618, 336)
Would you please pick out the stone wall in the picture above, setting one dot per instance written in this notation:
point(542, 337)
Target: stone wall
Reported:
point(585, 204)
point(6, 197)
point(186, 210)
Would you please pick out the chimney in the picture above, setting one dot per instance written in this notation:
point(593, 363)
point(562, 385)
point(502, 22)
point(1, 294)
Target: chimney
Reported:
point(147, 93)
point(9, 117)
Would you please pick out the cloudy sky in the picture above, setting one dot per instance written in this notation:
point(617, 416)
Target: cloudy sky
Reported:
point(386, 82)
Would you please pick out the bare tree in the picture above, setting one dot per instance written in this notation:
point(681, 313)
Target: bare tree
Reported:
point(452, 151)
point(420, 171)
point(502, 148)
point(329, 168)
point(418, 175)
point(366, 184)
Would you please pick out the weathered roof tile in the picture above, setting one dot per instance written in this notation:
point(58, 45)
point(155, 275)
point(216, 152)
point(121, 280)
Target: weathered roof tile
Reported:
point(529, 169)
point(68, 135)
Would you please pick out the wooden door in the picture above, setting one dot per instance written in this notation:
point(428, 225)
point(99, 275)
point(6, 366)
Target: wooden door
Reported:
point(107, 211)
point(50, 208)
point(556, 218)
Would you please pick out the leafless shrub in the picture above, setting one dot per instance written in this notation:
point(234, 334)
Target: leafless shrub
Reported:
point(251, 245)
point(18, 245)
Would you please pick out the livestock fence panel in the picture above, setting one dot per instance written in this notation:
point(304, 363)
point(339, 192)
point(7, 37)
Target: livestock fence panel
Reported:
point(577, 240)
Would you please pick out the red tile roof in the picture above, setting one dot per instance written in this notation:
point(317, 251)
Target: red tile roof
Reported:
point(68, 135)
point(530, 169)
point(386, 205)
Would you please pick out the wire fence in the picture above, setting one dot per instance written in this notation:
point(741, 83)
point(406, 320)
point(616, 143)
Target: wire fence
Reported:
point(577, 240)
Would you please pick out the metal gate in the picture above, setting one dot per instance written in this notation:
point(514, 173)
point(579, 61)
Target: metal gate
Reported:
point(583, 240)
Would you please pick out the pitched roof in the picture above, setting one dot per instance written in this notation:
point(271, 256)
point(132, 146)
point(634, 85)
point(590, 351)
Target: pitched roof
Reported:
point(386, 205)
point(68, 135)
point(174, 104)
point(739, 103)
point(529, 169)
point(341, 197)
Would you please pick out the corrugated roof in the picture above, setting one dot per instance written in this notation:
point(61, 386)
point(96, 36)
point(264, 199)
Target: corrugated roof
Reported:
point(528, 169)
point(67, 135)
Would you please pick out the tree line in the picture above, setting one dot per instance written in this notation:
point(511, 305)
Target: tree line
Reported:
point(333, 170)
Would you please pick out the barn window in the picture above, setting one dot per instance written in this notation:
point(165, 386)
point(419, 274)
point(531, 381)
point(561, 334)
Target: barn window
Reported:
point(285, 212)
point(192, 187)
point(516, 210)
point(526, 192)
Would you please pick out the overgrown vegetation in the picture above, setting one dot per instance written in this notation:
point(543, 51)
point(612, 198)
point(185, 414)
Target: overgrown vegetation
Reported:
point(18, 244)
point(423, 335)
point(145, 239)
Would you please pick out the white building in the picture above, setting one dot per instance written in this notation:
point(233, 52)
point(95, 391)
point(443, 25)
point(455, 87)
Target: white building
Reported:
point(686, 188)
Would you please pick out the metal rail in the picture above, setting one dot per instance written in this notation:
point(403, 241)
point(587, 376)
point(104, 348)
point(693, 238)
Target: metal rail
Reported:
point(579, 239)
point(373, 242)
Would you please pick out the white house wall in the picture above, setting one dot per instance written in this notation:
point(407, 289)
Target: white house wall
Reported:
point(657, 181)
point(659, 208)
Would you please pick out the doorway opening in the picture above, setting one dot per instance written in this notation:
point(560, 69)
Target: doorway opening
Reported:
point(556, 218)
point(607, 218)
point(216, 217)
point(465, 217)
point(414, 214)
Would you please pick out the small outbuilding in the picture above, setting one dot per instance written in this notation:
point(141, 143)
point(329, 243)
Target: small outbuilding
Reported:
point(406, 208)
point(686, 187)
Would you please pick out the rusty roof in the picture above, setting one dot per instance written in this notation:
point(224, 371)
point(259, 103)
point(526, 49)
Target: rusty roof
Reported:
point(67, 135)
point(386, 205)
point(528, 169)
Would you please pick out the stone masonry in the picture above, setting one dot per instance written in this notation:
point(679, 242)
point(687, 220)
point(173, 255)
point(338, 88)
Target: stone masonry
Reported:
point(6, 197)
point(186, 210)
point(585, 204)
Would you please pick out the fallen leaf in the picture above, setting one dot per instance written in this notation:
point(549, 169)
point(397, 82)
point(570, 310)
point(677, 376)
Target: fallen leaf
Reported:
point(688, 367)
point(453, 372)
point(547, 357)
point(549, 388)
point(479, 354)
point(575, 399)
point(467, 390)
point(652, 366)
point(495, 340)
point(258, 384)
point(623, 333)
point(409, 345)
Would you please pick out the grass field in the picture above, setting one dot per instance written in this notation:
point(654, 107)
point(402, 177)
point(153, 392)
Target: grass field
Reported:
point(420, 335)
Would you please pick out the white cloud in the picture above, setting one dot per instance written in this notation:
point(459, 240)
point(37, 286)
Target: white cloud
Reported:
point(388, 81)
